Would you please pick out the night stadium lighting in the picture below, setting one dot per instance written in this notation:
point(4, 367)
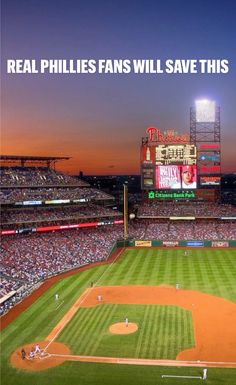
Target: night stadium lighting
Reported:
point(205, 111)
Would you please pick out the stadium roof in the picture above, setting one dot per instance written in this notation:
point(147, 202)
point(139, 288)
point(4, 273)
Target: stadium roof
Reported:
point(25, 160)
point(33, 158)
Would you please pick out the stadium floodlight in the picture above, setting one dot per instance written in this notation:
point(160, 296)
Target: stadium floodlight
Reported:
point(205, 111)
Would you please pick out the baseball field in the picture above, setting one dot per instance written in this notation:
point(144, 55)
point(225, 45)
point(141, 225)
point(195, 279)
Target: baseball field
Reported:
point(170, 329)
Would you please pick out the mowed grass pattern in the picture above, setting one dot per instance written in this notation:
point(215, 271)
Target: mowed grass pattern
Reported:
point(163, 331)
point(208, 270)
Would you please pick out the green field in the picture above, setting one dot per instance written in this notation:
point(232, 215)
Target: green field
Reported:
point(209, 271)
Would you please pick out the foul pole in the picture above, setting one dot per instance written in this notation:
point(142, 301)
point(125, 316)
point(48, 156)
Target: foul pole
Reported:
point(125, 195)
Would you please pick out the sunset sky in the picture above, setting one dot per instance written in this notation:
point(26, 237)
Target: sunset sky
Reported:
point(99, 119)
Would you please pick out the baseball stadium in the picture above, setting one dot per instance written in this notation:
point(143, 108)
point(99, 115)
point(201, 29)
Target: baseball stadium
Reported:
point(92, 293)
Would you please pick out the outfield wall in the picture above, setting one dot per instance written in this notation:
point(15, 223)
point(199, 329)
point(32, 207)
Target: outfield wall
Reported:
point(181, 243)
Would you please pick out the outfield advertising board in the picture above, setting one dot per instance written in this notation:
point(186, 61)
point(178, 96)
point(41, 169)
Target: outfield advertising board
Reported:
point(195, 243)
point(220, 244)
point(170, 243)
point(143, 243)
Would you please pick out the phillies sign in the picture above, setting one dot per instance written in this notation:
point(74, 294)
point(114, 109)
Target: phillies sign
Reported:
point(169, 136)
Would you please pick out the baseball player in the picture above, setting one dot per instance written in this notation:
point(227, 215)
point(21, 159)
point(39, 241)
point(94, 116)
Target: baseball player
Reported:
point(204, 374)
point(23, 354)
point(31, 354)
point(56, 297)
point(37, 349)
point(126, 322)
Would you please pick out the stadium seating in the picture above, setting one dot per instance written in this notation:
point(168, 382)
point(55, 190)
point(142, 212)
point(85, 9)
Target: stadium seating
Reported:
point(32, 176)
point(195, 209)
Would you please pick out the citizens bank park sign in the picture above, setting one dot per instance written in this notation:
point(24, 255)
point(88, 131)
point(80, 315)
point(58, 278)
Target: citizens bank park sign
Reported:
point(168, 136)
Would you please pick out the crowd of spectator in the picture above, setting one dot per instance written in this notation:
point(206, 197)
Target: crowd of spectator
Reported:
point(226, 230)
point(45, 194)
point(41, 214)
point(190, 230)
point(195, 209)
point(36, 176)
point(29, 259)
point(7, 285)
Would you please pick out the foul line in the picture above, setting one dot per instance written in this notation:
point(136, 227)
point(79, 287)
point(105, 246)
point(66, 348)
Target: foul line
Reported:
point(76, 306)
point(143, 361)
point(173, 376)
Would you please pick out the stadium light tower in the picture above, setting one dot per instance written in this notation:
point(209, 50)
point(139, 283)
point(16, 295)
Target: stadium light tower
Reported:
point(204, 122)
point(205, 134)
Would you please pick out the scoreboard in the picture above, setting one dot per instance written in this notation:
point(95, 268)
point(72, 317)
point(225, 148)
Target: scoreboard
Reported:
point(170, 154)
point(168, 166)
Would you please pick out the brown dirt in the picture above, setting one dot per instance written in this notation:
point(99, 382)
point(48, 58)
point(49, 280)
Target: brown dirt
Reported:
point(121, 328)
point(42, 362)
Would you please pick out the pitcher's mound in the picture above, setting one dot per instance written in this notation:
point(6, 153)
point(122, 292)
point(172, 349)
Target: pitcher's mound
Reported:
point(41, 362)
point(121, 328)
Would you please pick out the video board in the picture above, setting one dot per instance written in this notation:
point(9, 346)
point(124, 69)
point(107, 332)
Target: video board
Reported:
point(168, 166)
point(176, 177)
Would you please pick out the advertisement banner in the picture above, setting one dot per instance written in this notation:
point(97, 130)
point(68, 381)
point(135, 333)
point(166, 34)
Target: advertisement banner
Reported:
point(57, 201)
point(175, 154)
point(213, 169)
point(143, 243)
point(147, 154)
point(7, 232)
point(220, 244)
point(162, 195)
point(28, 203)
point(210, 180)
point(182, 218)
point(170, 243)
point(195, 243)
point(209, 158)
point(228, 218)
point(209, 146)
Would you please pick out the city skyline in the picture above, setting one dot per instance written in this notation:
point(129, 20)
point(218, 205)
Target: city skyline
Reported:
point(99, 119)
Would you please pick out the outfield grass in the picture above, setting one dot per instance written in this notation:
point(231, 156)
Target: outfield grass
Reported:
point(209, 271)
point(206, 270)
